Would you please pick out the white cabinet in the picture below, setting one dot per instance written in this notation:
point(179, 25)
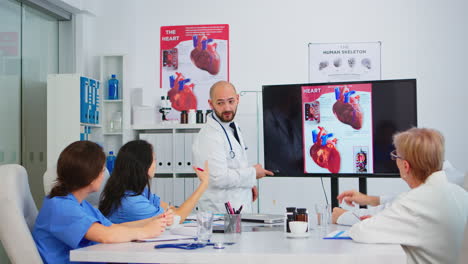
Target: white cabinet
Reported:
point(73, 110)
point(174, 179)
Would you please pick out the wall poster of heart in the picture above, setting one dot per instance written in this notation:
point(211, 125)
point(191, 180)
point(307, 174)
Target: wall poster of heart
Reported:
point(337, 128)
point(193, 57)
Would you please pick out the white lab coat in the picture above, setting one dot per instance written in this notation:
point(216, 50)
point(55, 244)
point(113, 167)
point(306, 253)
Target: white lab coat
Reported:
point(428, 221)
point(230, 179)
point(349, 219)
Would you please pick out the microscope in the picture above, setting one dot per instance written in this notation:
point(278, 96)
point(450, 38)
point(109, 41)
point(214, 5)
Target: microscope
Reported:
point(165, 107)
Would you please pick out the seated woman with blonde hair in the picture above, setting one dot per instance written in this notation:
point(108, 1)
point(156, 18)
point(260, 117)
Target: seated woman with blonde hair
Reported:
point(431, 214)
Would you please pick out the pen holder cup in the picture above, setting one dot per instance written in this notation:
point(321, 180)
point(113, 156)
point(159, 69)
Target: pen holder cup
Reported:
point(232, 223)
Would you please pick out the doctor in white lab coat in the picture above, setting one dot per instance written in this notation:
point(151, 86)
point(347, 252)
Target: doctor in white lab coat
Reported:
point(231, 178)
point(428, 221)
point(352, 197)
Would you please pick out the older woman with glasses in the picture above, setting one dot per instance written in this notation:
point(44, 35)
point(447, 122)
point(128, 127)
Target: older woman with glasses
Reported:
point(431, 214)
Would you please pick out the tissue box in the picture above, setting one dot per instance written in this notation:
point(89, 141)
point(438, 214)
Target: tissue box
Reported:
point(143, 115)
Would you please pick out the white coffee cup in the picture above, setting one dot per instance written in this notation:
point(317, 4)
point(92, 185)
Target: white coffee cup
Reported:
point(298, 227)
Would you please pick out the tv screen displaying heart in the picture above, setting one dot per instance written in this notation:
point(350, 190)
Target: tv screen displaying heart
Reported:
point(346, 128)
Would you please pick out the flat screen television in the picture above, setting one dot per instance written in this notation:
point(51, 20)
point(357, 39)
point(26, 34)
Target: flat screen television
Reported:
point(340, 128)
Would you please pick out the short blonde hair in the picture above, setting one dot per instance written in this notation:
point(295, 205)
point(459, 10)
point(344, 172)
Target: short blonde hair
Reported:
point(422, 148)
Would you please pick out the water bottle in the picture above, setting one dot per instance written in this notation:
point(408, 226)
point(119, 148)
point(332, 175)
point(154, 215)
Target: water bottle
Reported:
point(110, 161)
point(113, 93)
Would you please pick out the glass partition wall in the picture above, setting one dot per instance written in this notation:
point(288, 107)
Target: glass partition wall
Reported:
point(28, 52)
point(39, 58)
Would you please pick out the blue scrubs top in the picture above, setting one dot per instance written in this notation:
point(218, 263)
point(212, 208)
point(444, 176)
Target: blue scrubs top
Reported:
point(136, 207)
point(62, 225)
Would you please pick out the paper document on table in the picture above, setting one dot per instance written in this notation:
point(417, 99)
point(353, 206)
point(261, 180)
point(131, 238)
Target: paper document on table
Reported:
point(185, 231)
point(338, 234)
point(193, 217)
point(173, 235)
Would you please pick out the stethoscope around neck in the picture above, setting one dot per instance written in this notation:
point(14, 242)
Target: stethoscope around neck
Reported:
point(232, 154)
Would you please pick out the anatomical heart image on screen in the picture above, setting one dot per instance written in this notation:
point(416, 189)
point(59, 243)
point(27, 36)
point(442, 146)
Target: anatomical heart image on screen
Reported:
point(324, 151)
point(347, 108)
point(336, 118)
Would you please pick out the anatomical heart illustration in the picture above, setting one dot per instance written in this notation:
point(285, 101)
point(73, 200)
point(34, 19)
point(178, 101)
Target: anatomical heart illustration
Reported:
point(347, 108)
point(204, 54)
point(181, 93)
point(324, 151)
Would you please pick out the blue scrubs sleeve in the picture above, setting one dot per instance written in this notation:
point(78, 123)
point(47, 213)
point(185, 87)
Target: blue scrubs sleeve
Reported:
point(69, 222)
point(139, 208)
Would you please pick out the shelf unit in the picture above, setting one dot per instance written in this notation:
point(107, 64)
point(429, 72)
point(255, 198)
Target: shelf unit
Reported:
point(63, 110)
point(113, 140)
point(174, 179)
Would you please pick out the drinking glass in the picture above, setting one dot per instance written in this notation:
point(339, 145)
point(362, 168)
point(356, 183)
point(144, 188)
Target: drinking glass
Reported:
point(321, 211)
point(204, 226)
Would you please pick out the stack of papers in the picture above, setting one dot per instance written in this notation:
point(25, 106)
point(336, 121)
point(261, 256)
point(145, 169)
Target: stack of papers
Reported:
point(180, 232)
point(193, 217)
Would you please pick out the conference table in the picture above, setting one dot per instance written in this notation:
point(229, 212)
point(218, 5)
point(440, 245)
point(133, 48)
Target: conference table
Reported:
point(261, 245)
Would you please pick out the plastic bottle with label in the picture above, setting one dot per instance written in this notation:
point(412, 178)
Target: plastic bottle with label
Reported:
point(290, 216)
point(208, 112)
point(113, 92)
point(110, 162)
point(184, 117)
point(199, 116)
point(192, 119)
point(302, 215)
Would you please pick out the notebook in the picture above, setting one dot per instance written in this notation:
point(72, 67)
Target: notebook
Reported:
point(263, 218)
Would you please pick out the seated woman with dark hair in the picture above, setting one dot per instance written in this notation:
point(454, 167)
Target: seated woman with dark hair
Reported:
point(66, 221)
point(127, 196)
point(431, 214)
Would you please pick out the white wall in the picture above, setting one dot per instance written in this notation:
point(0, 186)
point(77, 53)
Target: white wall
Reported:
point(420, 39)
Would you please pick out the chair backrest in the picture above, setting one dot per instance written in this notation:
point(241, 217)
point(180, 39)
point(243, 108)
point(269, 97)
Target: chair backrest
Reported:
point(465, 184)
point(51, 175)
point(19, 214)
point(464, 250)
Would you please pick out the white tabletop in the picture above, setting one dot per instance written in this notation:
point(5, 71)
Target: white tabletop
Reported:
point(251, 247)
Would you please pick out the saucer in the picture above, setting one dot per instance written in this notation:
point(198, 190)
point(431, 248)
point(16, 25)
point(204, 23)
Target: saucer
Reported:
point(301, 235)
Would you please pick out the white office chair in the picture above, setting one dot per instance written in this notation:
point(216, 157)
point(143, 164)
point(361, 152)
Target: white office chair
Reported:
point(463, 258)
point(51, 175)
point(19, 214)
point(465, 184)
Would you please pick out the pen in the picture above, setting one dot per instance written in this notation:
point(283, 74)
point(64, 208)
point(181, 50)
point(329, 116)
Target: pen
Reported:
point(231, 211)
point(200, 169)
point(227, 208)
point(356, 215)
point(239, 210)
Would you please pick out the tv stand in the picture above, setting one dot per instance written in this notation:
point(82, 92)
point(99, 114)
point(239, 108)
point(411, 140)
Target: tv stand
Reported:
point(335, 190)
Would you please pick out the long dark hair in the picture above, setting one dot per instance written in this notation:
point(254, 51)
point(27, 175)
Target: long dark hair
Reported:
point(130, 174)
point(78, 165)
